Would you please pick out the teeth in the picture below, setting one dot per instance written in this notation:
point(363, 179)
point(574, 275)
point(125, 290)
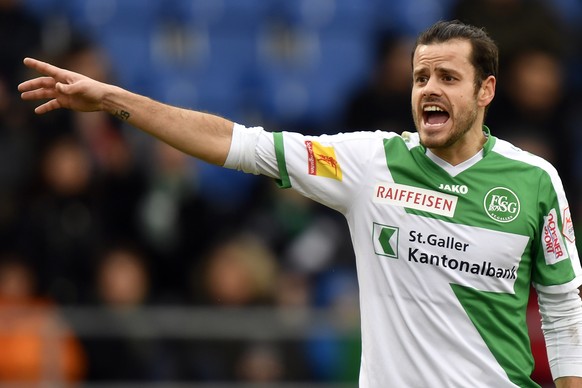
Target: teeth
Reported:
point(433, 108)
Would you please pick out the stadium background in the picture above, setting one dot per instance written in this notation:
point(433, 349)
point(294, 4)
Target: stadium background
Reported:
point(124, 263)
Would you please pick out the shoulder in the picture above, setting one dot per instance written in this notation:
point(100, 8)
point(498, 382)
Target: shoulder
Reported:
point(518, 155)
point(365, 141)
point(523, 162)
point(357, 136)
point(410, 138)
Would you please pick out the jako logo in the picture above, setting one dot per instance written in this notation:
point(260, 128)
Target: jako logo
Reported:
point(461, 189)
point(501, 204)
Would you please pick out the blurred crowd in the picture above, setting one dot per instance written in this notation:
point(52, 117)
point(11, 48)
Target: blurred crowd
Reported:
point(93, 213)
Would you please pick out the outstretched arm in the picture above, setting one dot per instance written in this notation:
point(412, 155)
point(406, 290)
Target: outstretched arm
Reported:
point(202, 135)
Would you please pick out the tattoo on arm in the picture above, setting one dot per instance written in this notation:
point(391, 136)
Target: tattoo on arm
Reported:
point(122, 115)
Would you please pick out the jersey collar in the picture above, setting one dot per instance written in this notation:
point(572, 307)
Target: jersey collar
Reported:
point(440, 164)
point(488, 146)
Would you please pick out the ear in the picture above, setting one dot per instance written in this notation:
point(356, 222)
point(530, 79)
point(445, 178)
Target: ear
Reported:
point(487, 91)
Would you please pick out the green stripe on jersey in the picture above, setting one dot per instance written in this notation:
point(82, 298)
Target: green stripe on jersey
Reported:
point(500, 320)
point(284, 182)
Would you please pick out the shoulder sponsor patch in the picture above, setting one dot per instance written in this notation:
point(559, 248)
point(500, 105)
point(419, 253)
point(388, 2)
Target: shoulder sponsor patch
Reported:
point(322, 161)
point(552, 242)
point(415, 198)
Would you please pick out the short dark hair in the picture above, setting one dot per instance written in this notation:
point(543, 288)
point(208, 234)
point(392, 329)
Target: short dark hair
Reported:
point(484, 52)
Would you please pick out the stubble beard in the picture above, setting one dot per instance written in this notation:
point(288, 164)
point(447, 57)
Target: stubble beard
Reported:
point(461, 126)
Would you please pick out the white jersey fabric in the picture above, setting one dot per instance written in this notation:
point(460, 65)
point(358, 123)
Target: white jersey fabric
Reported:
point(445, 254)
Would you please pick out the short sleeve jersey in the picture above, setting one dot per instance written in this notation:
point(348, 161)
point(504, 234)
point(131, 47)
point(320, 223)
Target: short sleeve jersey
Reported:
point(445, 261)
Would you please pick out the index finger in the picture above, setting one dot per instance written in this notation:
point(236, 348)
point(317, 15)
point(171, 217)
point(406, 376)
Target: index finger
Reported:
point(42, 67)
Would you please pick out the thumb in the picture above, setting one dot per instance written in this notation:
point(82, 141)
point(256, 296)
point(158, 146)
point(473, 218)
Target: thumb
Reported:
point(63, 88)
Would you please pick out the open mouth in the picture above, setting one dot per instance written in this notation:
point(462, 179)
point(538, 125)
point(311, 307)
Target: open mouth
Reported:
point(434, 115)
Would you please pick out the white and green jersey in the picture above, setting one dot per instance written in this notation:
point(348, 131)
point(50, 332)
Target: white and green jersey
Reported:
point(445, 255)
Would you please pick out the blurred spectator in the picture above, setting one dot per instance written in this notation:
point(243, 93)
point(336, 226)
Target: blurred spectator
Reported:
point(260, 363)
point(61, 222)
point(16, 162)
point(36, 346)
point(86, 56)
point(170, 183)
point(304, 235)
point(99, 133)
point(513, 23)
point(119, 188)
point(383, 102)
point(237, 272)
point(172, 219)
point(175, 223)
point(240, 272)
point(530, 106)
point(294, 290)
point(132, 352)
point(122, 279)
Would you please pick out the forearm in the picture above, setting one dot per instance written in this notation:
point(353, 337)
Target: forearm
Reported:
point(569, 382)
point(202, 135)
point(562, 323)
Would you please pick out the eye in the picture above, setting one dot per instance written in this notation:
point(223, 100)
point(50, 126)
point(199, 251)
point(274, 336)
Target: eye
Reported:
point(448, 78)
point(421, 79)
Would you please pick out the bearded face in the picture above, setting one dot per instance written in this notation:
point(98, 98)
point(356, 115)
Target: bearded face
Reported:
point(446, 105)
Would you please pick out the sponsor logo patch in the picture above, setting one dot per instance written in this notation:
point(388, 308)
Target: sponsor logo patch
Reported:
point(415, 198)
point(385, 240)
point(552, 242)
point(501, 204)
point(322, 161)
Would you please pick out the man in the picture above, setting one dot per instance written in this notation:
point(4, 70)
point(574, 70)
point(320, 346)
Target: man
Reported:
point(450, 225)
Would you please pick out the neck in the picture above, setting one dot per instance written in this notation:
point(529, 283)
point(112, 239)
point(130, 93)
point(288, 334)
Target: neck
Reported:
point(463, 149)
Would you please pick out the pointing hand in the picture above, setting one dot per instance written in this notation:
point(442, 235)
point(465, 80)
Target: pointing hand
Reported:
point(63, 89)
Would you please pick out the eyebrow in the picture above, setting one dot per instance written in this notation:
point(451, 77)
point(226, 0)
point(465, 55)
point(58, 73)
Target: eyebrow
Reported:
point(443, 69)
point(438, 69)
point(419, 70)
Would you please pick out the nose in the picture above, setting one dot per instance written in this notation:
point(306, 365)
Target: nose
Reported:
point(431, 88)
